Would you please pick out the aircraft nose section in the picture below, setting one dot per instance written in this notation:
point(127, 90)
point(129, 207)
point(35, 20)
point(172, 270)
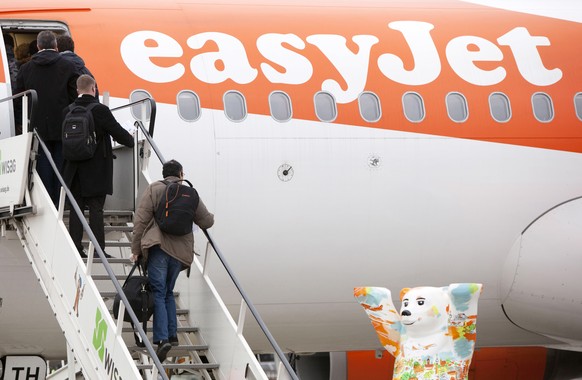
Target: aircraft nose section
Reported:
point(541, 282)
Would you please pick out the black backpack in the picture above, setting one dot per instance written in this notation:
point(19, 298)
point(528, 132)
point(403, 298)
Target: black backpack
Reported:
point(79, 138)
point(175, 212)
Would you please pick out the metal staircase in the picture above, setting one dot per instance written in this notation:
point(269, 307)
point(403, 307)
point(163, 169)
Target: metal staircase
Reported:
point(81, 291)
point(192, 356)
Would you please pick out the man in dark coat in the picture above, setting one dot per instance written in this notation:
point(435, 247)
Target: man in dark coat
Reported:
point(53, 78)
point(91, 180)
point(66, 47)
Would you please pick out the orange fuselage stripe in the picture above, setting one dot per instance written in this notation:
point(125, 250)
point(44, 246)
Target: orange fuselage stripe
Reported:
point(99, 35)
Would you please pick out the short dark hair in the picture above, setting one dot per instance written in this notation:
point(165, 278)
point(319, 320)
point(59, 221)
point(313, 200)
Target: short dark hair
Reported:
point(84, 83)
point(65, 43)
point(172, 168)
point(46, 40)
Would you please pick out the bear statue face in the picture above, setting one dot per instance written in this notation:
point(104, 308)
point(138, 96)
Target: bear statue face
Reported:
point(424, 310)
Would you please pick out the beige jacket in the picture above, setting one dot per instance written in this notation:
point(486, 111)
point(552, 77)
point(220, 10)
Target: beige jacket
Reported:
point(146, 232)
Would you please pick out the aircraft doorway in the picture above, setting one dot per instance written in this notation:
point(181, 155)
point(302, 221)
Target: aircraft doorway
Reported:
point(19, 44)
point(6, 113)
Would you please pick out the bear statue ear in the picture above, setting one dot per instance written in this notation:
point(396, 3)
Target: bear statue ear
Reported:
point(403, 292)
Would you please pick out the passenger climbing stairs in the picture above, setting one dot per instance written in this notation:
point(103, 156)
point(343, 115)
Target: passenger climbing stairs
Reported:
point(191, 358)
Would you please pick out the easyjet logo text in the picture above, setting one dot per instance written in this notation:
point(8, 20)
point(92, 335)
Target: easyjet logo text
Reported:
point(462, 55)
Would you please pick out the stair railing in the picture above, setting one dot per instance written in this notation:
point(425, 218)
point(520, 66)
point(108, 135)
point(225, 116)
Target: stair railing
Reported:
point(127, 306)
point(75, 208)
point(152, 116)
point(33, 104)
point(251, 307)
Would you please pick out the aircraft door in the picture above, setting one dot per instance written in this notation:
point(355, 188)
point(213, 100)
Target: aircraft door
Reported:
point(6, 114)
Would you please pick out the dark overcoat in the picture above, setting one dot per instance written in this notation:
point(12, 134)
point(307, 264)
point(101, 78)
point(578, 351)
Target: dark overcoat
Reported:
point(54, 80)
point(96, 174)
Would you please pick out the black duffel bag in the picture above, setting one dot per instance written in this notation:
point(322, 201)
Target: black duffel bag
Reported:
point(138, 291)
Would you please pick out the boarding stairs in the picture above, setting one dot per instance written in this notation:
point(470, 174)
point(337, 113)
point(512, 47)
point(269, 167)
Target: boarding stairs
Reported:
point(192, 356)
point(81, 291)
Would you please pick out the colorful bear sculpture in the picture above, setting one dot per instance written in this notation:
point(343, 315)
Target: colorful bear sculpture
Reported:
point(433, 336)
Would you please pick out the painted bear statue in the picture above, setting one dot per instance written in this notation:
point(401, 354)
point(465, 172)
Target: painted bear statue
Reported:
point(433, 336)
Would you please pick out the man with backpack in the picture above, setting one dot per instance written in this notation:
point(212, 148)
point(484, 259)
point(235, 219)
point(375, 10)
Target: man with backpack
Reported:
point(162, 234)
point(88, 168)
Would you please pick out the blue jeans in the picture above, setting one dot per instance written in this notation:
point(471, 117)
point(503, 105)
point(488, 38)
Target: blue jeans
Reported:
point(163, 271)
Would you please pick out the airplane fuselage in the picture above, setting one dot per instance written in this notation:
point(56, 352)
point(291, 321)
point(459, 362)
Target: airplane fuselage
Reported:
point(427, 184)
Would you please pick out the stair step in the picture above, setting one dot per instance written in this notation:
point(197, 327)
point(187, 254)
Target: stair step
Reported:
point(110, 243)
point(107, 214)
point(113, 294)
point(182, 329)
point(102, 277)
point(119, 228)
point(199, 366)
point(176, 350)
point(178, 312)
point(195, 347)
point(113, 260)
point(118, 213)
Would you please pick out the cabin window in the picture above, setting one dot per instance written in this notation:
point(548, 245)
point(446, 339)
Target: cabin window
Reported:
point(578, 104)
point(457, 107)
point(325, 107)
point(138, 109)
point(188, 105)
point(413, 107)
point(370, 109)
point(542, 107)
point(500, 107)
point(280, 105)
point(235, 106)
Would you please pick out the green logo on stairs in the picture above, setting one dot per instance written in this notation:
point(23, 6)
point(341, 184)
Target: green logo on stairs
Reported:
point(99, 334)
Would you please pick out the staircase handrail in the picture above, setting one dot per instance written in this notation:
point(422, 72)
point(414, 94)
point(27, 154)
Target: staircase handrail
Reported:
point(33, 100)
point(108, 269)
point(234, 279)
point(150, 141)
point(152, 112)
point(251, 307)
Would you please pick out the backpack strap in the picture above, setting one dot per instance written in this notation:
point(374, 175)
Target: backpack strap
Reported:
point(92, 105)
point(89, 108)
point(180, 180)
